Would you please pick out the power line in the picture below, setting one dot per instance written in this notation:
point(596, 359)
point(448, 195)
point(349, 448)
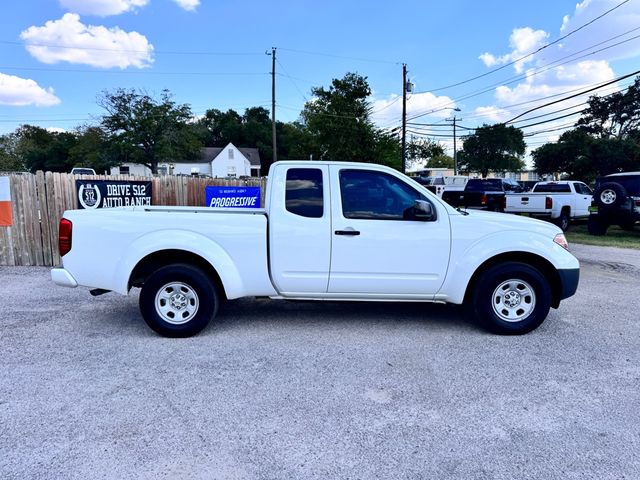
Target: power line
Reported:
point(132, 72)
point(291, 80)
point(540, 70)
point(120, 50)
point(574, 95)
point(529, 54)
point(322, 54)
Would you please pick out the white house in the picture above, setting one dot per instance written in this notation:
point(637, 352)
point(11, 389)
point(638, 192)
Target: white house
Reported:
point(229, 161)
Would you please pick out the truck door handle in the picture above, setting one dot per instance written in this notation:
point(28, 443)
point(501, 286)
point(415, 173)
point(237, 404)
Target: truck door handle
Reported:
point(350, 232)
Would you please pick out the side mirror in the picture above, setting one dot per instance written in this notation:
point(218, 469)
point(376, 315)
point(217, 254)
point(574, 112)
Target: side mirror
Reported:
point(423, 210)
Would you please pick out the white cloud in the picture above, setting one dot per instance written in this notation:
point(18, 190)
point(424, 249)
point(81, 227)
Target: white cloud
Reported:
point(68, 40)
point(616, 22)
point(18, 91)
point(102, 8)
point(491, 114)
point(523, 41)
point(562, 69)
point(389, 110)
point(189, 5)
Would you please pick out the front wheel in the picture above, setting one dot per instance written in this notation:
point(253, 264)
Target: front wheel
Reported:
point(512, 298)
point(627, 225)
point(178, 300)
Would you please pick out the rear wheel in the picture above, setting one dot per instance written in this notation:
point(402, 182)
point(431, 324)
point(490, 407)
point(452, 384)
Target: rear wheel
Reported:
point(595, 226)
point(178, 300)
point(512, 298)
point(564, 220)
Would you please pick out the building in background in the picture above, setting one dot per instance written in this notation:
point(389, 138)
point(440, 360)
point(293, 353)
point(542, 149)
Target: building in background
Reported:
point(220, 162)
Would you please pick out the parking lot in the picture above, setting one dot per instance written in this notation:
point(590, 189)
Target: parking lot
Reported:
point(321, 390)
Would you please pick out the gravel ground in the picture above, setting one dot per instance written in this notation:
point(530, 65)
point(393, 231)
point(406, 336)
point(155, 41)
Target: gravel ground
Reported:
point(283, 390)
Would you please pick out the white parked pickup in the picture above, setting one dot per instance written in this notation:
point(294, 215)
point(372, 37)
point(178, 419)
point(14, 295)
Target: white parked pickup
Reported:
point(559, 202)
point(329, 231)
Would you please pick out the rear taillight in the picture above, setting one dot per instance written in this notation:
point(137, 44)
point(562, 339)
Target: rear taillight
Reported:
point(64, 236)
point(484, 200)
point(548, 203)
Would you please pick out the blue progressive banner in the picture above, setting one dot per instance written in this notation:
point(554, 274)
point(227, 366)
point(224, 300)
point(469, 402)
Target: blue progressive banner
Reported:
point(232, 197)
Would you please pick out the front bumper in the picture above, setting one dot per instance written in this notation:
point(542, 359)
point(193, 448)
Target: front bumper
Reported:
point(569, 279)
point(61, 277)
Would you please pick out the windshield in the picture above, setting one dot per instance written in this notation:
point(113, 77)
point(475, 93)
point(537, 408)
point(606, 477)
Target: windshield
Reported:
point(486, 185)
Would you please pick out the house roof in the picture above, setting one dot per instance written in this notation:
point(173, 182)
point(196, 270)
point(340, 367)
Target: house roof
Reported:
point(252, 154)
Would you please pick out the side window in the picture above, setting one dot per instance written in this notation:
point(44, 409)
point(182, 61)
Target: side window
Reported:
point(375, 195)
point(304, 195)
point(583, 189)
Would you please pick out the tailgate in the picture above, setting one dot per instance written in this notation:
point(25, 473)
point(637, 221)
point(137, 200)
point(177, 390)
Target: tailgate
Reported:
point(528, 203)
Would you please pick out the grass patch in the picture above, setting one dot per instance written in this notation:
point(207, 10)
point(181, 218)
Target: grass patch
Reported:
point(615, 237)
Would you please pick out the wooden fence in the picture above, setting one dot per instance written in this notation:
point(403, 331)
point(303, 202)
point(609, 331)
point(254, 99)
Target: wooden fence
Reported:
point(39, 201)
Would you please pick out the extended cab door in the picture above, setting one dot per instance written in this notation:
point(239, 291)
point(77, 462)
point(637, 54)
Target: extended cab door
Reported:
point(300, 229)
point(377, 248)
point(583, 199)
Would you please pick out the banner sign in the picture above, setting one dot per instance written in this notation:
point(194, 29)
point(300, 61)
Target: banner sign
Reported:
point(233, 197)
point(6, 214)
point(112, 193)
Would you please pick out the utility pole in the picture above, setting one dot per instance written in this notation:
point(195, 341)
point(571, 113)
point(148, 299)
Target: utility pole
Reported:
point(273, 103)
point(455, 149)
point(404, 118)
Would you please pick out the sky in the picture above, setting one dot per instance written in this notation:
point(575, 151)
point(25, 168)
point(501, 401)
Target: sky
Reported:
point(493, 59)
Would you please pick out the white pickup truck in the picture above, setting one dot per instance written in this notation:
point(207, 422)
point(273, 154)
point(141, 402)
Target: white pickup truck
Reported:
point(329, 231)
point(559, 202)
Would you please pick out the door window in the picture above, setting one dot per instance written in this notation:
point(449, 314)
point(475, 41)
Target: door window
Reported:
point(376, 196)
point(304, 195)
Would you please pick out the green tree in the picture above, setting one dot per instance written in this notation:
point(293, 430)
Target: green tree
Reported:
point(613, 116)
point(10, 160)
point(441, 161)
point(493, 148)
point(606, 139)
point(220, 128)
point(338, 121)
point(144, 130)
point(252, 129)
point(421, 152)
point(92, 149)
point(570, 156)
point(294, 141)
point(387, 150)
point(41, 149)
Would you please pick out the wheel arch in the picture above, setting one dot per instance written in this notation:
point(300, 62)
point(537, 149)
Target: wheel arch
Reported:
point(540, 263)
point(152, 262)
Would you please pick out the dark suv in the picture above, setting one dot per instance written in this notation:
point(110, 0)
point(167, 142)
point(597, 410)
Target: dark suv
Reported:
point(616, 201)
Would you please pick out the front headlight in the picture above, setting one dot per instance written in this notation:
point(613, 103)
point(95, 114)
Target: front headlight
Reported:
point(561, 240)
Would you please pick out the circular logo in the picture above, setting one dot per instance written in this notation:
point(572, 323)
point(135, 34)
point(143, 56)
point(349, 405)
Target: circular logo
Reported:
point(89, 196)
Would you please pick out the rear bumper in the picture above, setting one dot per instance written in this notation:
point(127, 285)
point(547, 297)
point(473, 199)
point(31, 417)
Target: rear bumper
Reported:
point(61, 277)
point(569, 279)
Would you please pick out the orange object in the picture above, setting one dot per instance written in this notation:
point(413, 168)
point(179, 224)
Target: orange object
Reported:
point(6, 215)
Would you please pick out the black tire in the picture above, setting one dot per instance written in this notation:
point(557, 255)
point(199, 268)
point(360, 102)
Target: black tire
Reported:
point(627, 225)
point(178, 300)
point(564, 220)
point(511, 298)
point(610, 195)
point(595, 226)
